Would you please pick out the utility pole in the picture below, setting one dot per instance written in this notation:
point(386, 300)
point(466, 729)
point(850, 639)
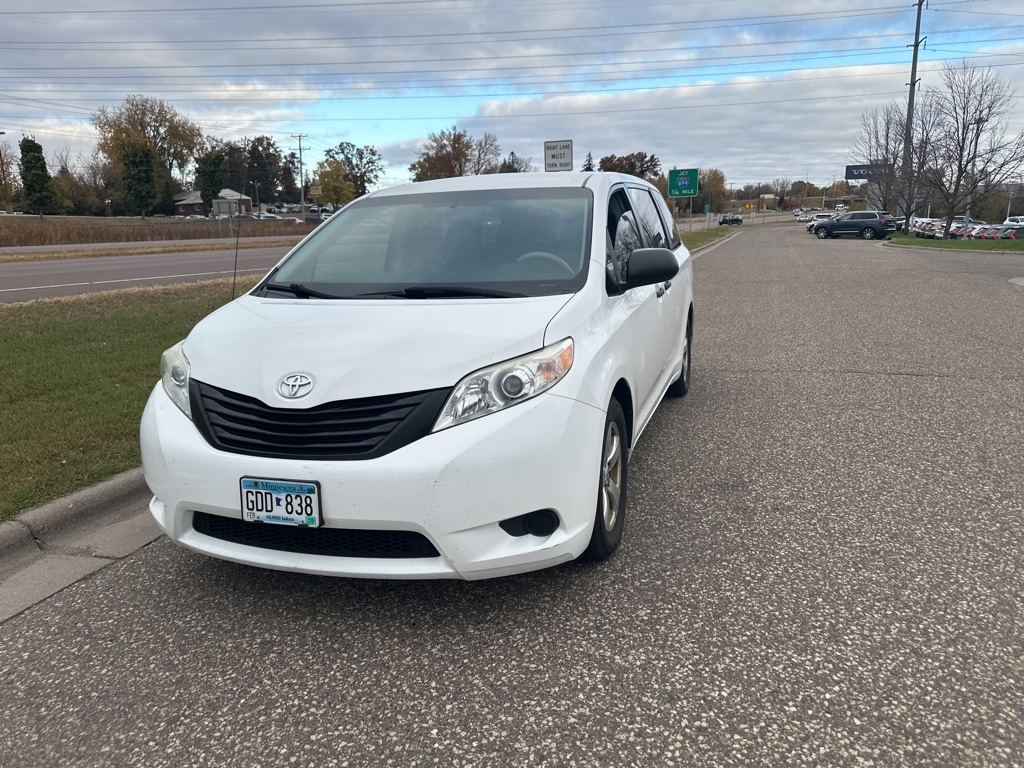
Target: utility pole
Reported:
point(909, 192)
point(302, 177)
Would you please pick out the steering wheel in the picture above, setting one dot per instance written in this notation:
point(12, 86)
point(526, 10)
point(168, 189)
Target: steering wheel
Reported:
point(548, 258)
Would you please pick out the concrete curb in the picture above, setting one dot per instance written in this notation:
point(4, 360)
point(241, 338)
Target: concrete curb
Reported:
point(41, 523)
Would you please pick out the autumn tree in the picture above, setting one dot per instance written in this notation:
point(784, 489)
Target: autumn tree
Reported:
point(363, 165)
point(172, 137)
point(331, 176)
point(638, 164)
point(711, 190)
point(454, 152)
point(35, 178)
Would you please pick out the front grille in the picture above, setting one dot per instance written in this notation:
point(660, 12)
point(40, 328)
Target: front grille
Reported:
point(332, 542)
point(345, 429)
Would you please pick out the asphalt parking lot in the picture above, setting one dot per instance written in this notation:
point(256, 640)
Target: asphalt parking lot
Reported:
point(823, 565)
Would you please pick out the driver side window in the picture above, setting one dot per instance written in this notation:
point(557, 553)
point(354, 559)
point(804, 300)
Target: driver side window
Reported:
point(623, 237)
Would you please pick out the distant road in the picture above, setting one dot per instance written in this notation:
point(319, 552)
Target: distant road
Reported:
point(26, 280)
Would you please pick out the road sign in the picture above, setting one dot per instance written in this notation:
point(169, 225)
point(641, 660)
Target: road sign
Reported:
point(316, 190)
point(750, 206)
point(707, 208)
point(558, 155)
point(682, 183)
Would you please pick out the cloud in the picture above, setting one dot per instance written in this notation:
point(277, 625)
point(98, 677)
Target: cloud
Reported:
point(756, 93)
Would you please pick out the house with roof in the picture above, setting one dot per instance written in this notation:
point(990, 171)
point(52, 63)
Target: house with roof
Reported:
point(190, 204)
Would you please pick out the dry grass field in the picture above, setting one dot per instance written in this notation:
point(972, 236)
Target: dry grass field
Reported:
point(21, 230)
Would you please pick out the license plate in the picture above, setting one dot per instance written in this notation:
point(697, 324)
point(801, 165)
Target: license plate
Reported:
point(282, 502)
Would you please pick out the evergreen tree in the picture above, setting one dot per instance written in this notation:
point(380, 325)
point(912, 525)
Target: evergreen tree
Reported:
point(139, 178)
point(35, 178)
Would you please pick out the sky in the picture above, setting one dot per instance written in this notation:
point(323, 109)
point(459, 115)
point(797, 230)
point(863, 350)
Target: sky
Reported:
point(760, 89)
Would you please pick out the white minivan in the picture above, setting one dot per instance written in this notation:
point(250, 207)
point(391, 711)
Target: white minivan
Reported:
point(444, 380)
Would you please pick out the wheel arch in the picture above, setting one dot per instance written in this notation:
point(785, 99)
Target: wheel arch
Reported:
point(624, 395)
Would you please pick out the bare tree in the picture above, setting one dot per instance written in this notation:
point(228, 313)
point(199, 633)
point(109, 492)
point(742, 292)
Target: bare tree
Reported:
point(880, 143)
point(485, 155)
point(971, 154)
point(7, 176)
point(780, 188)
point(453, 152)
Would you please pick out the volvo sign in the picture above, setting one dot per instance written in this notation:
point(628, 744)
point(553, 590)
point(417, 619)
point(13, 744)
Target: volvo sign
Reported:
point(867, 172)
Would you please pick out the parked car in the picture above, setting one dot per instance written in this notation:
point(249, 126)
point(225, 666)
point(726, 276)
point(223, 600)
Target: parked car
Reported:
point(454, 393)
point(866, 224)
point(730, 218)
point(1014, 221)
point(816, 218)
point(264, 215)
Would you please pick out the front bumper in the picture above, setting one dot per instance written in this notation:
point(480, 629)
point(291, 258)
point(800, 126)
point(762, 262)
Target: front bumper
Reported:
point(453, 487)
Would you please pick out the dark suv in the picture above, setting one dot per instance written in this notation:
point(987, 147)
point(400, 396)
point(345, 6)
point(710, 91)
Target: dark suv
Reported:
point(730, 218)
point(866, 224)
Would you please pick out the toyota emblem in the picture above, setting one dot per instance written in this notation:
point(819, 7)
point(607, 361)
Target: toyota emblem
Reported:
point(295, 385)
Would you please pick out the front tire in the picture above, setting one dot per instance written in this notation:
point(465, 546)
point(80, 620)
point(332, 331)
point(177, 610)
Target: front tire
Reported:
point(610, 516)
point(821, 233)
point(868, 233)
point(681, 386)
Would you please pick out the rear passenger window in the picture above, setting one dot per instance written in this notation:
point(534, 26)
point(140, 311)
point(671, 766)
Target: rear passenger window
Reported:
point(649, 219)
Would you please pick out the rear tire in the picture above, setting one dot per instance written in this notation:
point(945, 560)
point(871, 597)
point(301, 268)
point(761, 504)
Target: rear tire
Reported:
point(610, 517)
point(868, 233)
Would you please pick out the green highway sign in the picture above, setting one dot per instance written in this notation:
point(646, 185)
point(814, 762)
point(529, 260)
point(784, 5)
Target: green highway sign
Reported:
point(682, 183)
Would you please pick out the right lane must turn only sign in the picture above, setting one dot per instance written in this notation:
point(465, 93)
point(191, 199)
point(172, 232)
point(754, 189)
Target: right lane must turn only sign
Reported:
point(558, 155)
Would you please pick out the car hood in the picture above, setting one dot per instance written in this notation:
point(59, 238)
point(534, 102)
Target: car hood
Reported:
point(355, 349)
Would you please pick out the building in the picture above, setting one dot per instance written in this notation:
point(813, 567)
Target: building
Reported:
point(231, 203)
point(189, 204)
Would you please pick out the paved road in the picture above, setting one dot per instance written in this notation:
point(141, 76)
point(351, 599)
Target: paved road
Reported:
point(24, 280)
point(823, 565)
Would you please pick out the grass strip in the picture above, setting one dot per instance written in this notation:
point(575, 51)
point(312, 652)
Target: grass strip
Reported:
point(77, 373)
point(910, 241)
point(141, 249)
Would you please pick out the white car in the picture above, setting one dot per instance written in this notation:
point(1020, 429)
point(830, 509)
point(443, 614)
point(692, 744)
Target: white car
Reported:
point(818, 217)
point(451, 392)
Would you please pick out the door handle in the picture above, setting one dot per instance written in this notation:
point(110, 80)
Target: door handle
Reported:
point(659, 290)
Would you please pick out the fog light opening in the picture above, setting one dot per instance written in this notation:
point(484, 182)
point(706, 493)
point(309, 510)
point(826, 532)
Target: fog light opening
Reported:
point(541, 523)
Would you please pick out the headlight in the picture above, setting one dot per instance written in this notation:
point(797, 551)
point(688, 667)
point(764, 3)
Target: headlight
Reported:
point(174, 373)
point(505, 384)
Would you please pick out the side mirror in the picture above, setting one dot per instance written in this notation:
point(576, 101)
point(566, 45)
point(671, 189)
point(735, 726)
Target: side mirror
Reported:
point(647, 266)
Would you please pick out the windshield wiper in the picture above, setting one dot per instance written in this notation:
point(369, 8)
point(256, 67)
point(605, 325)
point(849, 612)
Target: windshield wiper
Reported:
point(446, 291)
point(300, 290)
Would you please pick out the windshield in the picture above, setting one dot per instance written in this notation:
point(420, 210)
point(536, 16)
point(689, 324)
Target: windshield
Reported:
point(478, 244)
